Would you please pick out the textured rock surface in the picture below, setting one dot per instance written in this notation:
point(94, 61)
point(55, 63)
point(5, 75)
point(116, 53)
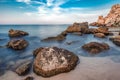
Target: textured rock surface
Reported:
point(17, 33)
point(78, 27)
point(52, 60)
point(111, 20)
point(17, 44)
point(100, 35)
point(95, 47)
point(116, 40)
point(23, 69)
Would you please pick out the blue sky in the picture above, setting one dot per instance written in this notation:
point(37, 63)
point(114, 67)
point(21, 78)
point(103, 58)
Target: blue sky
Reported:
point(52, 11)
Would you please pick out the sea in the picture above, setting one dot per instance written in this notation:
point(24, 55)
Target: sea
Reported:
point(102, 66)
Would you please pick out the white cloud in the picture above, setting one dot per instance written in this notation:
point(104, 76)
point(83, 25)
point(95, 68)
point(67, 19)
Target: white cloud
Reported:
point(25, 1)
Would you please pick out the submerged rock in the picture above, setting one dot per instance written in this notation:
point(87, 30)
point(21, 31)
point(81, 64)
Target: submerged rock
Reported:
point(100, 35)
point(29, 78)
point(78, 27)
point(116, 40)
point(52, 60)
point(59, 37)
point(95, 47)
point(17, 33)
point(17, 44)
point(23, 69)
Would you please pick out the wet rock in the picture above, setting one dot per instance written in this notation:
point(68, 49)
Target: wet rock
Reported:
point(29, 78)
point(115, 40)
point(95, 47)
point(17, 44)
point(23, 69)
point(78, 27)
point(35, 52)
point(71, 42)
point(100, 35)
point(17, 33)
point(59, 37)
point(52, 60)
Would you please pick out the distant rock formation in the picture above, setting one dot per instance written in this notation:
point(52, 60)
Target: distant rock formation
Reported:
point(111, 20)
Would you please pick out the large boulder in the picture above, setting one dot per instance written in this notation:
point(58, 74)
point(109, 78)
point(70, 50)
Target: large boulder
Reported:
point(99, 35)
point(115, 40)
point(78, 27)
point(23, 69)
point(95, 47)
point(17, 33)
point(52, 60)
point(17, 44)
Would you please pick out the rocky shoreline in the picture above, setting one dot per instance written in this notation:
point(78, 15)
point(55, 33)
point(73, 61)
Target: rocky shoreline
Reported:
point(50, 61)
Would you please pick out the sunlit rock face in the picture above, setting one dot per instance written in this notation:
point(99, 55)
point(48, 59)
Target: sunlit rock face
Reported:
point(111, 20)
point(52, 60)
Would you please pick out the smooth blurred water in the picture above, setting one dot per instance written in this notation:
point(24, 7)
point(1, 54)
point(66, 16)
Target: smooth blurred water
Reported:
point(37, 33)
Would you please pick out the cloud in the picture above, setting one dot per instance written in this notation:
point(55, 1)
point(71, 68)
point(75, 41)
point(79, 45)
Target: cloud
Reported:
point(25, 1)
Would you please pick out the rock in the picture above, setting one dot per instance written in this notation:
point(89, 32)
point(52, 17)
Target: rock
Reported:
point(23, 69)
point(78, 27)
point(95, 47)
point(100, 35)
point(71, 42)
point(111, 20)
point(115, 40)
point(17, 44)
point(59, 37)
point(52, 60)
point(35, 52)
point(29, 78)
point(17, 33)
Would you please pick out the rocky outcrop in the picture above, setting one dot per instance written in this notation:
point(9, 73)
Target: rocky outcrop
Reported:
point(29, 78)
point(95, 47)
point(115, 40)
point(17, 33)
point(100, 35)
point(17, 44)
point(111, 20)
point(23, 69)
point(52, 60)
point(78, 27)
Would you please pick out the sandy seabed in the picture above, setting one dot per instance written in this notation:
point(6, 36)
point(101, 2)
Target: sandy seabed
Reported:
point(89, 68)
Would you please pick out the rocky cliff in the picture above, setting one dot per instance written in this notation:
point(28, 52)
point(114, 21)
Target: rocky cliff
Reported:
point(111, 20)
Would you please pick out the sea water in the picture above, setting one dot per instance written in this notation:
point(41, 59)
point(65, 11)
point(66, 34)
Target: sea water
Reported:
point(102, 66)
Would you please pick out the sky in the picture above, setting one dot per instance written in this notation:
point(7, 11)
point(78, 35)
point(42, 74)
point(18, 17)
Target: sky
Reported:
point(53, 11)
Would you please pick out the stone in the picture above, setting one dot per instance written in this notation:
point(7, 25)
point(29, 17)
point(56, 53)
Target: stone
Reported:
point(115, 40)
point(17, 44)
point(59, 37)
point(111, 20)
point(17, 33)
point(78, 27)
point(23, 69)
point(52, 61)
point(95, 47)
point(100, 35)
point(29, 78)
